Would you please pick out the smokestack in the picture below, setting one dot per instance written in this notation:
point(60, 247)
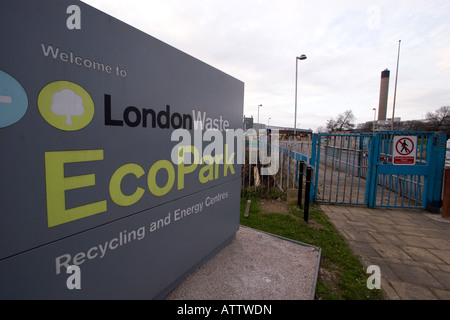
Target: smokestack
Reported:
point(384, 90)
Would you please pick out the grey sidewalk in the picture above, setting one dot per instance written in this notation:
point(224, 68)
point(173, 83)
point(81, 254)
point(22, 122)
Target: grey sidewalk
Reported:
point(411, 247)
point(255, 265)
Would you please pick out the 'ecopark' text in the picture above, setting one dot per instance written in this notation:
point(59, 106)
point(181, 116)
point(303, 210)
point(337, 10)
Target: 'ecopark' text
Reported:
point(189, 159)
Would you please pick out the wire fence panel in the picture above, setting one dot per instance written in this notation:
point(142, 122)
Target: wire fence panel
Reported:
point(358, 169)
point(341, 168)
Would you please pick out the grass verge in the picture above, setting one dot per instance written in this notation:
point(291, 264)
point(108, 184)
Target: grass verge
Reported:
point(341, 276)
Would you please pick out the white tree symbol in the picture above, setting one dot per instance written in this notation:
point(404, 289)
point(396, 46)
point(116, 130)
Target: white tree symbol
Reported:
point(67, 103)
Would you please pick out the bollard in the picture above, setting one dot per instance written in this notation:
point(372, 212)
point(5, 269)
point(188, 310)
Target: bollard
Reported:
point(300, 183)
point(247, 209)
point(307, 193)
point(446, 197)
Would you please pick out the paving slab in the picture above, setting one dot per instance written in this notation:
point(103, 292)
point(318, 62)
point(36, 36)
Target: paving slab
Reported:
point(443, 278)
point(390, 251)
point(387, 228)
point(255, 266)
point(442, 254)
point(411, 247)
point(409, 291)
point(442, 294)
point(364, 248)
point(407, 230)
point(415, 275)
point(415, 241)
point(421, 254)
point(383, 237)
point(439, 244)
point(359, 235)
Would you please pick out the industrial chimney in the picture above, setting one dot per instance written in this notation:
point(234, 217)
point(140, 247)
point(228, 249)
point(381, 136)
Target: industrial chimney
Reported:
point(384, 90)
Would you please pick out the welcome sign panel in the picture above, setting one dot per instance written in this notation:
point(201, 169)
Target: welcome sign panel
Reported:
point(88, 111)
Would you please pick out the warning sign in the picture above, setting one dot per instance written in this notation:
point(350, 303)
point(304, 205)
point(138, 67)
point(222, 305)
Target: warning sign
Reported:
point(404, 152)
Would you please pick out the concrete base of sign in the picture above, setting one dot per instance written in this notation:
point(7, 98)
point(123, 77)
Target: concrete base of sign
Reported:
point(199, 265)
point(255, 266)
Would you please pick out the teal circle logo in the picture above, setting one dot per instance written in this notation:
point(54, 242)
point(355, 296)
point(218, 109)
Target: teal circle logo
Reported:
point(13, 100)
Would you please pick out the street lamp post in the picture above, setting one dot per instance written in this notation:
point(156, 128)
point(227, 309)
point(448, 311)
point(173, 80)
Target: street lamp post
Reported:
point(374, 116)
point(395, 90)
point(258, 111)
point(268, 121)
point(302, 57)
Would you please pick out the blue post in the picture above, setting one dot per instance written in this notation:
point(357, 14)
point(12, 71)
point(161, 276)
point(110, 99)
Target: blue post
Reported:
point(372, 177)
point(314, 161)
point(436, 148)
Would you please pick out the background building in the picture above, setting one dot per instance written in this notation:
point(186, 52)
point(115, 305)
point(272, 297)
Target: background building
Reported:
point(384, 92)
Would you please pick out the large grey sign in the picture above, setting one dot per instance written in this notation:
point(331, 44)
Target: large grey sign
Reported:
point(88, 111)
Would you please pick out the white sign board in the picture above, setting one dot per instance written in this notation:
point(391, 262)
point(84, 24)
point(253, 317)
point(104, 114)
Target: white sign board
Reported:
point(404, 150)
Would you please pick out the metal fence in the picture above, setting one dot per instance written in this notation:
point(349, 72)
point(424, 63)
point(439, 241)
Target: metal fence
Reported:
point(341, 168)
point(402, 190)
point(290, 155)
point(357, 169)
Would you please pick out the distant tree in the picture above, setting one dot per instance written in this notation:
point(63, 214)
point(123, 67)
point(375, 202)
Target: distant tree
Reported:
point(330, 125)
point(344, 121)
point(367, 127)
point(414, 125)
point(440, 119)
point(321, 129)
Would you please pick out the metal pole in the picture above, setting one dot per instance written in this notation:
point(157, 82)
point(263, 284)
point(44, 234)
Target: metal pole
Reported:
point(446, 197)
point(300, 184)
point(374, 116)
point(307, 193)
point(395, 90)
point(296, 80)
point(260, 105)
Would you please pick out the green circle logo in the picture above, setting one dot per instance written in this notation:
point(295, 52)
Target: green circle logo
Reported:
point(65, 105)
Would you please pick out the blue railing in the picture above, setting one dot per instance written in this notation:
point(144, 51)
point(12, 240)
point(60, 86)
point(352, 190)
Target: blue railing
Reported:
point(357, 169)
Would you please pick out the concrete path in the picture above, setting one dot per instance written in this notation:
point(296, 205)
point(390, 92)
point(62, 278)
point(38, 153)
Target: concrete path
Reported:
point(255, 266)
point(411, 247)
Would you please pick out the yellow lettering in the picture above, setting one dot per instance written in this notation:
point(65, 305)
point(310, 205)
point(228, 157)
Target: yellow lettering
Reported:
point(219, 160)
point(114, 185)
point(57, 185)
point(151, 179)
point(183, 170)
point(228, 162)
point(208, 168)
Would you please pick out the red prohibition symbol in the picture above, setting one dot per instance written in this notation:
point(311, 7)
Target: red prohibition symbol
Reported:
point(404, 146)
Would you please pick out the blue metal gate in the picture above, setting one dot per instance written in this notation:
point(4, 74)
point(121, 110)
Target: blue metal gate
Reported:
point(358, 169)
point(341, 168)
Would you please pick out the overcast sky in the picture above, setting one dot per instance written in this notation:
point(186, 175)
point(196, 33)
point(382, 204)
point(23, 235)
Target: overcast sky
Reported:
point(348, 43)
